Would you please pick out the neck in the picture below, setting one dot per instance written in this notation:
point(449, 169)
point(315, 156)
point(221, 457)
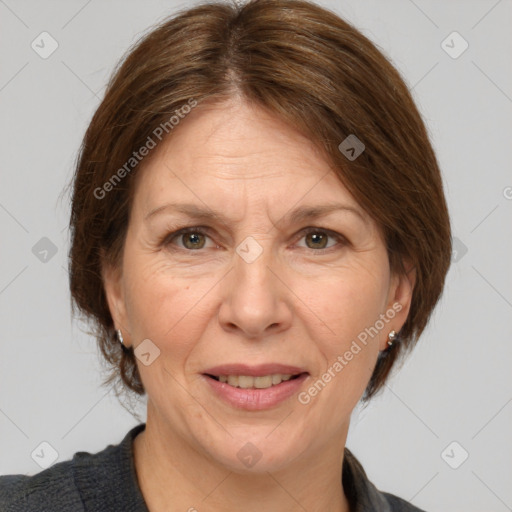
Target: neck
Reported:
point(173, 476)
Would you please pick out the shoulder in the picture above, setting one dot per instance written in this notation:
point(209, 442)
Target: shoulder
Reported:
point(397, 504)
point(89, 481)
point(55, 486)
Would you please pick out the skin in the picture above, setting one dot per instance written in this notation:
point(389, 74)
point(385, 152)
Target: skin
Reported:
point(295, 304)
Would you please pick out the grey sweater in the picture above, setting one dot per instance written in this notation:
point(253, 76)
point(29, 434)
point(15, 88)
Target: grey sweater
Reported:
point(107, 482)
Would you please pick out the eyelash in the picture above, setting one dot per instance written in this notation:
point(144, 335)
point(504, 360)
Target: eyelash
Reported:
point(167, 240)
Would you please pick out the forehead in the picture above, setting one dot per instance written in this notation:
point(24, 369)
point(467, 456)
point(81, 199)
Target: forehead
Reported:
point(231, 153)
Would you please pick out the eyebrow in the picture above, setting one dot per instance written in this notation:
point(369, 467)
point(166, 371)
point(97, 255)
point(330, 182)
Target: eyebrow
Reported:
point(295, 216)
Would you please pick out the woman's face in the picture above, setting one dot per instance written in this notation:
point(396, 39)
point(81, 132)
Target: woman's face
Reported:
point(262, 284)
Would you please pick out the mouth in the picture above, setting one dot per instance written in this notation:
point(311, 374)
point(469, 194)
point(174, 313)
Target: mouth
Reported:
point(255, 382)
point(255, 388)
point(255, 377)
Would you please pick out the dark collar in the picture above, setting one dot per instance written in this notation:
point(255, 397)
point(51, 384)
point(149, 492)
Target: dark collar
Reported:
point(112, 483)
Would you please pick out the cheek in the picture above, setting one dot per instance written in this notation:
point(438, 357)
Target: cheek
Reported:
point(166, 308)
point(346, 301)
point(349, 308)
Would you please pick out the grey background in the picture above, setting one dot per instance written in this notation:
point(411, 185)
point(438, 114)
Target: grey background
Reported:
point(457, 384)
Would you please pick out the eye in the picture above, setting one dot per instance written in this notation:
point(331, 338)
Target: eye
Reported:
point(189, 238)
point(317, 238)
point(195, 238)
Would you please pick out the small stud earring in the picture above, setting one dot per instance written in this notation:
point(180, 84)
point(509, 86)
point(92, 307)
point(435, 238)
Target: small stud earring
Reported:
point(120, 336)
point(391, 337)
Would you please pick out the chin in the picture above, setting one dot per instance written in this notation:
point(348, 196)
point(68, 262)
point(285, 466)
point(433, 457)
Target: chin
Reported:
point(254, 454)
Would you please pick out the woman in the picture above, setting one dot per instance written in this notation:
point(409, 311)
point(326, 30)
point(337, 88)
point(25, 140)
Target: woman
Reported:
point(259, 231)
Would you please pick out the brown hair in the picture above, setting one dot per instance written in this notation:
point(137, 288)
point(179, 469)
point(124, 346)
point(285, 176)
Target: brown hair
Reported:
point(306, 66)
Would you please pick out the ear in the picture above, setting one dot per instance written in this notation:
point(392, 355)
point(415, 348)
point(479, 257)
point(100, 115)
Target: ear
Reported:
point(399, 299)
point(113, 285)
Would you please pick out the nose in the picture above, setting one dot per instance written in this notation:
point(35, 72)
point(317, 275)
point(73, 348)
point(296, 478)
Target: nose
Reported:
point(255, 300)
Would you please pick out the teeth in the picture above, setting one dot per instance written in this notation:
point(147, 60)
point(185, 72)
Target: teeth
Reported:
point(259, 382)
point(247, 382)
point(276, 379)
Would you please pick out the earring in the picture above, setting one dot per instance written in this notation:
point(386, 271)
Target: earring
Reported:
point(120, 336)
point(392, 337)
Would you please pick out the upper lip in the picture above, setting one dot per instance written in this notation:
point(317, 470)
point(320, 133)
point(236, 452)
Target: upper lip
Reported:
point(254, 371)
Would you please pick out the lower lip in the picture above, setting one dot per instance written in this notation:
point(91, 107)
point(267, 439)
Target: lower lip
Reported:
point(256, 399)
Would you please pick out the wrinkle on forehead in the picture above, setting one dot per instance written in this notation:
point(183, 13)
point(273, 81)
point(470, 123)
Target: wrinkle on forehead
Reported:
point(237, 137)
point(240, 160)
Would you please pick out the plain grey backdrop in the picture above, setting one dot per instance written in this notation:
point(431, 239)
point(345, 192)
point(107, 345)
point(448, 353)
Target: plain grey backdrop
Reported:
point(440, 433)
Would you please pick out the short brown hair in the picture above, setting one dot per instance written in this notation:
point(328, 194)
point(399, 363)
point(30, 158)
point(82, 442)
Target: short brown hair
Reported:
point(311, 69)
